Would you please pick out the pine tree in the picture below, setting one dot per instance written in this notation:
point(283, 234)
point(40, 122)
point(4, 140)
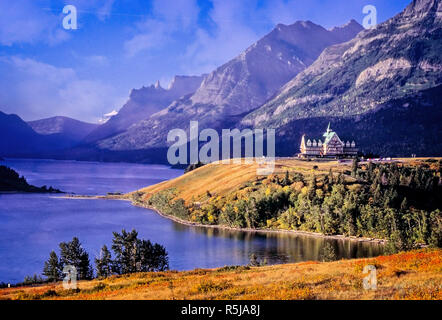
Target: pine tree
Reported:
point(52, 268)
point(72, 253)
point(404, 205)
point(312, 188)
point(103, 264)
point(124, 246)
point(134, 255)
point(286, 180)
point(330, 176)
point(354, 169)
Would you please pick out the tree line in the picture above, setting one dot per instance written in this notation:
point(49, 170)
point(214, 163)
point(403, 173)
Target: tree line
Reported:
point(131, 254)
point(391, 201)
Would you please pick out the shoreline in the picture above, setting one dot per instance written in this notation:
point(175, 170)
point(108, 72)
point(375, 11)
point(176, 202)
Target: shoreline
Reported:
point(249, 230)
point(221, 227)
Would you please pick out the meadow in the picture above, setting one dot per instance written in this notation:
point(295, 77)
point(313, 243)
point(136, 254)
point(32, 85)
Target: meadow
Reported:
point(413, 275)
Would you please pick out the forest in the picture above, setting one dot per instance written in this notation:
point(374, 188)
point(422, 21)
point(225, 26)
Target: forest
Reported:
point(393, 201)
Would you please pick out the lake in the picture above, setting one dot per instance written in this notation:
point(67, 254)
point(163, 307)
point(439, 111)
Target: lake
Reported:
point(31, 225)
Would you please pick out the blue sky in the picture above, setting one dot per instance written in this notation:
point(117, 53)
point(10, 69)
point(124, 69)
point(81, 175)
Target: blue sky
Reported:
point(46, 70)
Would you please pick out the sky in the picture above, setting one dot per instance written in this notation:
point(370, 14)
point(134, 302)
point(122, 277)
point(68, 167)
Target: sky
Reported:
point(47, 70)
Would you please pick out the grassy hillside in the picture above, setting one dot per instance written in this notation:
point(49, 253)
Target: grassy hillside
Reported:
point(399, 200)
point(413, 275)
point(222, 179)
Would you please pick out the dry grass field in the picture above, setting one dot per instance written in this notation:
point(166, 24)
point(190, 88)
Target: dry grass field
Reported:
point(415, 275)
point(223, 178)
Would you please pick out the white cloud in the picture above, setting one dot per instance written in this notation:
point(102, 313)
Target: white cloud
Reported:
point(168, 18)
point(34, 89)
point(22, 21)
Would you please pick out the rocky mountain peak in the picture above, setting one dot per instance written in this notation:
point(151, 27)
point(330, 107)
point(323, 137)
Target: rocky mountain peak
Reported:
point(423, 7)
point(239, 86)
point(144, 102)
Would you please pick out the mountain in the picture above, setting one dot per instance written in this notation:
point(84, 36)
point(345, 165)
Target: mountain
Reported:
point(16, 135)
point(20, 140)
point(71, 129)
point(239, 86)
point(384, 82)
point(143, 103)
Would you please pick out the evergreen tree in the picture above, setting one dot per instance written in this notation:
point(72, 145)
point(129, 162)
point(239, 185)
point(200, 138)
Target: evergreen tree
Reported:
point(286, 181)
point(354, 168)
point(134, 255)
point(330, 176)
point(312, 188)
point(404, 205)
point(341, 179)
point(72, 253)
point(52, 268)
point(103, 264)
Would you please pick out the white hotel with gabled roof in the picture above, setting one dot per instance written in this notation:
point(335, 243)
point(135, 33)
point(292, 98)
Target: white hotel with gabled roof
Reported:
point(330, 146)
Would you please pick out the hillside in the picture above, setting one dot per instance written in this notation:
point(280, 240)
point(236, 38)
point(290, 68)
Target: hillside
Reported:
point(387, 200)
point(68, 128)
point(413, 275)
point(222, 179)
point(392, 69)
point(18, 139)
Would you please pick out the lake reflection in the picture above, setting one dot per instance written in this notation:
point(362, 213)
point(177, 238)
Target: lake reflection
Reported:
point(31, 225)
point(284, 247)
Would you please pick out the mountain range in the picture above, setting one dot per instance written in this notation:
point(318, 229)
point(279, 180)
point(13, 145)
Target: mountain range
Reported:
point(380, 87)
point(68, 128)
point(393, 72)
point(239, 86)
point(41, 137)
point(143, 103)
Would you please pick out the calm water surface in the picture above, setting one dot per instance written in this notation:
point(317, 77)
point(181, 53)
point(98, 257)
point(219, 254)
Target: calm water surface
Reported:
point(31, 225)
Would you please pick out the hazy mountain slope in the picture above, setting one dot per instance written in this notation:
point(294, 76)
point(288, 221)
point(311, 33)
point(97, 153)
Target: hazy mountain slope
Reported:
point(19, 139)
point(143, 103)
point(238, 86)
point(70, 128)
point(397, 59)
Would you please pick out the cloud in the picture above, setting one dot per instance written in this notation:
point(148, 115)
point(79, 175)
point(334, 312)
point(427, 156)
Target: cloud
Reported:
point(167, 19)
point(97, 60)
point(22, 21)
point(231, 35)
point(101, 8)
point(34, 90)
point(229, 28)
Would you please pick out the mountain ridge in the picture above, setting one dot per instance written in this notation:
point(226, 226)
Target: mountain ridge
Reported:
point(347, 70)
point(238, 86)
point(144, 102)
point(71, 128)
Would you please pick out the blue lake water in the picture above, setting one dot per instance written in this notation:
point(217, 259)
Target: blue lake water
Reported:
point(31, 225)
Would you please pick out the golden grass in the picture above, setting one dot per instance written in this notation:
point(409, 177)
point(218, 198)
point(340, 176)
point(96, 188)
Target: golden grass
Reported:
point(220, 179)
point(412, 275)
